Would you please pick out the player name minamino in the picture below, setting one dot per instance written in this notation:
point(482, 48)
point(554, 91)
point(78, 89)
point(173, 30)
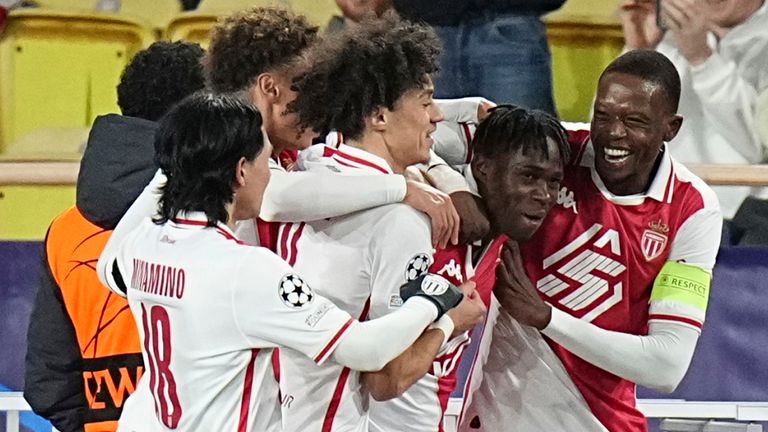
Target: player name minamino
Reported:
point(159, 279)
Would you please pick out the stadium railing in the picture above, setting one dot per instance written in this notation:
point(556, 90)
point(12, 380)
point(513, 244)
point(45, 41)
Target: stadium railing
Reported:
point(65, 173)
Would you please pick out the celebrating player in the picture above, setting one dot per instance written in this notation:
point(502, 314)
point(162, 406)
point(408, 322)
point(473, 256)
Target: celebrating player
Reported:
point(516, 170)
point(370, 84)
point(620, 273)
point(256, 53)
point(210, 309)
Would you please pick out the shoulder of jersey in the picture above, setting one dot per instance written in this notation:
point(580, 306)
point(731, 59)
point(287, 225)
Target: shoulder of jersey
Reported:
point(402, 213)
point(262, 257)
point(684, 175)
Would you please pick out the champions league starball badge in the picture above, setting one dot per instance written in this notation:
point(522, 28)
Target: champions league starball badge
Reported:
point(294, 292)
point(418, 265)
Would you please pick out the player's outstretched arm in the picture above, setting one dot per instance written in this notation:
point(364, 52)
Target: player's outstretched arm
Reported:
point(377, 342)
point(288, 196)
point(658, 360)
point(402, 372)
point(146, 205)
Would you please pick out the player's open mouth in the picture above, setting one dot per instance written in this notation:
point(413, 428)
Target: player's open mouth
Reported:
point(615, 155)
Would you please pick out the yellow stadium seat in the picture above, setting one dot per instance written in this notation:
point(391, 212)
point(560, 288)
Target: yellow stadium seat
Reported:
point(584, 36)
point(192, 27)
point(155, 12)
point(761, 120)
point(69, 5)
point(319, 12)
point(60, 69)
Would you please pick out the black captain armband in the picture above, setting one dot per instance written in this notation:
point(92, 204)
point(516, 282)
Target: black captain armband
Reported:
point(436, 289)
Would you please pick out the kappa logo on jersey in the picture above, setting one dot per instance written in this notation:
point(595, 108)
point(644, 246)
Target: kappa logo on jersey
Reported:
point(565, 198)
point(452, 269)
point(417, 266)
point(294, 292)
point(654, 240)
point(434, 284)
point(587, 296)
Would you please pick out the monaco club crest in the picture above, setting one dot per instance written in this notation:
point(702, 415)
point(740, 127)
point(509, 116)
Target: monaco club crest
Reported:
point(654, 240)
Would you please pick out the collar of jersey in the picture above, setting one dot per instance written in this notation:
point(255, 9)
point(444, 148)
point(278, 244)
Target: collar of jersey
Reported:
point(661, 187)
point(198, 220)
point(350, 158)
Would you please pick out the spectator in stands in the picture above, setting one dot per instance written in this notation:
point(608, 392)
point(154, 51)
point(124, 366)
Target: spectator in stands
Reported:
point(83, 356)
point(720, 49)
point(497, 49)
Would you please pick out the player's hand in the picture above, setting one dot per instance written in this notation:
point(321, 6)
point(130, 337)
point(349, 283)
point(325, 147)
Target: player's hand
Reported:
point(688, 23)
point(483, 109)
point(469, 312)
point(516, 293)
point(638, 20)
point(439, 207)
point(474, 223)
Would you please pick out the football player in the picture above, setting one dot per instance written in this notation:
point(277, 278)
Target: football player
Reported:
point(256, 53)
point(612, 290)
point(371, 84)
point(210, 309)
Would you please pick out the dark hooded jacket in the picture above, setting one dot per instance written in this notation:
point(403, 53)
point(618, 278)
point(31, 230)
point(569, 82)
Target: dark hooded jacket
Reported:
point(83, 353)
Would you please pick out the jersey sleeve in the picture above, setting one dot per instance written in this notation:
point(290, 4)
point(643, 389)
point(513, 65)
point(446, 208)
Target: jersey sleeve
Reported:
point(273, 304)
point(400, 250)
point(462, 110)
point(309, 196)
point(108, 268)
point(681, 289)
point(453, 142)
point(578, 138)
point(443, 177)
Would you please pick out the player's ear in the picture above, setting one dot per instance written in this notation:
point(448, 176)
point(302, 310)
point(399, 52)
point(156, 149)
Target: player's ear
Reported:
point(379, 119)
point(672, 127)
point(266, 86)
point(481, 168)
point(240, 172)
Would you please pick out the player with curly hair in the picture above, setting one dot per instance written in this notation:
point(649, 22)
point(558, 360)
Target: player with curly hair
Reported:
point(255, 54)
point(158, 77)
point(211, 310)
point(370, 84)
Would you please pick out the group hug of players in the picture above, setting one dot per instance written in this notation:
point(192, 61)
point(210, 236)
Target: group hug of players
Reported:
point(584, 266)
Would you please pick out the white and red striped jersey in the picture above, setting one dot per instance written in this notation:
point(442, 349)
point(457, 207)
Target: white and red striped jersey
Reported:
point(359, 261)
point(210, 310)
point(596, 257)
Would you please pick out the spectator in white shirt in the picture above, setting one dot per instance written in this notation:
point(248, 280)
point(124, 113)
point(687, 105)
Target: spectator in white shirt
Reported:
point(720, 48)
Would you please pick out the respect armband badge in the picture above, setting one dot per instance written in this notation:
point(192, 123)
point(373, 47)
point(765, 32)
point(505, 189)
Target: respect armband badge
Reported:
point(683, 283)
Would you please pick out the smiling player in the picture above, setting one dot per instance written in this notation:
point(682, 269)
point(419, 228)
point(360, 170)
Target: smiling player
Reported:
point(619, 272)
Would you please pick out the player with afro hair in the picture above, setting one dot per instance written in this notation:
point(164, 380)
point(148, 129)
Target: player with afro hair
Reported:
point(361, 69)
point(158, 77)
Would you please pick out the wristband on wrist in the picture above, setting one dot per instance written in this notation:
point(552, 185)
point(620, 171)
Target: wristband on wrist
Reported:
point(445, 323)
